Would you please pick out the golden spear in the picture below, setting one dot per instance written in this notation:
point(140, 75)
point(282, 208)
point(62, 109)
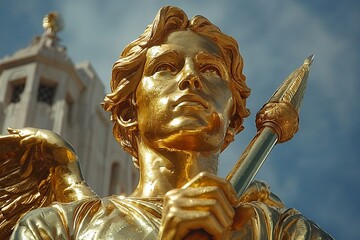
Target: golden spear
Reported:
point(276, 122)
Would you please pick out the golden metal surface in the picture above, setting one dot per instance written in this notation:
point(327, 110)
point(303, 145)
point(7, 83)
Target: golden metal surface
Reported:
point(281, 113)
point(276, 122)
point(52, 22)
point(178, 98)
point(37, 167)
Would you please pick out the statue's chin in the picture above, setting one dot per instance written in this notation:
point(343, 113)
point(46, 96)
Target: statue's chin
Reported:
point(191, 140)
point(191, 134)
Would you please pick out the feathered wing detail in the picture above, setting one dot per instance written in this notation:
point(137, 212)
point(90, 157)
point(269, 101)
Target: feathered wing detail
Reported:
point(37, 167)
point(24, 184)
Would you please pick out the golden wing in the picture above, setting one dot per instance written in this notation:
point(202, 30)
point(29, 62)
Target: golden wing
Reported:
point(37, 167)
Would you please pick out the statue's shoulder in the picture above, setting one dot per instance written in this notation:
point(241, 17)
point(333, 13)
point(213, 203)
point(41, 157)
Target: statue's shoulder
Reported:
point(259, 191)
point(262, 208)
point(133, 217)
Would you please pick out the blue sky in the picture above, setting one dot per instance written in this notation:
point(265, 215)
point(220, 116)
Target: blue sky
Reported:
point(317, 172)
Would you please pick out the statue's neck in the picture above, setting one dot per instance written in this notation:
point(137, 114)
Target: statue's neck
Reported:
point(162, 170)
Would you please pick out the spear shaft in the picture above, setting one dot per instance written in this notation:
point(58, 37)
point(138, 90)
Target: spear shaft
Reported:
point(276, 122)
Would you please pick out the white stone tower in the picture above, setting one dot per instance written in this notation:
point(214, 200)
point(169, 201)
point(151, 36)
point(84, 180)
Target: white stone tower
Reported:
point(41, 87)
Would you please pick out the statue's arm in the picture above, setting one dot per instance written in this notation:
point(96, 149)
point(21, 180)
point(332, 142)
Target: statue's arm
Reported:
point(259, 214)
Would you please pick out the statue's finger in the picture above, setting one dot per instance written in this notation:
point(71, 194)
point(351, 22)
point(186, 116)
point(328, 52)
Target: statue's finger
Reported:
point(208, 179)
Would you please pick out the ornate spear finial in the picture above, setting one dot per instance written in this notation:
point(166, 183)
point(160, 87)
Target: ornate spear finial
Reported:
point(276, 122)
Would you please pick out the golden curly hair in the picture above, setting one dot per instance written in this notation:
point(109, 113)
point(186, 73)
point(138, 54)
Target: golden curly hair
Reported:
point(128, 69)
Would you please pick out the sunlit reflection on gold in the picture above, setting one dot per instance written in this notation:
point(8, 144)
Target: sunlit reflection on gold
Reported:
point(178, 98)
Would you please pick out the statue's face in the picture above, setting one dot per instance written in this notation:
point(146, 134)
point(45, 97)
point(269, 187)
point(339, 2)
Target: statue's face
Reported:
point(184, 99)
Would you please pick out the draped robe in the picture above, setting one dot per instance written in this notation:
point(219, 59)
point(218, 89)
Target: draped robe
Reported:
point(259, 215)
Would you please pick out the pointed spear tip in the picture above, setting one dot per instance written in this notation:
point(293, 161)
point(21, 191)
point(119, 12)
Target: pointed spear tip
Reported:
point(309, 59)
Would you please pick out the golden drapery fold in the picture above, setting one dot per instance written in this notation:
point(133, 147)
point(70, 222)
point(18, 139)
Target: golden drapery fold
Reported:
point(263, 216)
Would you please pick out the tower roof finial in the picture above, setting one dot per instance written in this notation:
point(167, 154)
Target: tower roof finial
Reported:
point(53, 23)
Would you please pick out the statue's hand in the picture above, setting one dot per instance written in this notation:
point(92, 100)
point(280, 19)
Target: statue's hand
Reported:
point(201, 209)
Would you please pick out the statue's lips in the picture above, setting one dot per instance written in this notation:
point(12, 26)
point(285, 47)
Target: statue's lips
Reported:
point(190, 100)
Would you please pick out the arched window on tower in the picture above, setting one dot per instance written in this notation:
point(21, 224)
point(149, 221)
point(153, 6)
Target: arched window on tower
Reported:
point(115, 185)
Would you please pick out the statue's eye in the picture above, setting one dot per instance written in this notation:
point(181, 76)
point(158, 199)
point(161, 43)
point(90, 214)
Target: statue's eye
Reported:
point(165, 67)
point(211, 69)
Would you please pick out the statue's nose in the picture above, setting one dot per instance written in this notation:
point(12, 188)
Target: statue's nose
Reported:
point(191, 81)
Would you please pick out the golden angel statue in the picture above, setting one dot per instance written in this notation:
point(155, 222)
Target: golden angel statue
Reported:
point(178, 98)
